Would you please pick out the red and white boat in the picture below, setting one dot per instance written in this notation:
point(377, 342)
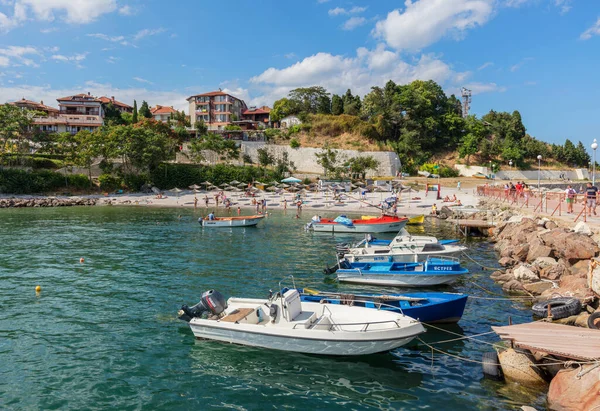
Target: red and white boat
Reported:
point(342, 224)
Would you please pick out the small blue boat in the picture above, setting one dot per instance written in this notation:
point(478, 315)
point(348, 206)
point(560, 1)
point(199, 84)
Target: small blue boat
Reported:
point(433, 271)
point(427, 307)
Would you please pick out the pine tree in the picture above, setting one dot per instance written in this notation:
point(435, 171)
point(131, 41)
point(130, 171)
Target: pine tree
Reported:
point(337, 105)
point(135, 113)
point(145, 110)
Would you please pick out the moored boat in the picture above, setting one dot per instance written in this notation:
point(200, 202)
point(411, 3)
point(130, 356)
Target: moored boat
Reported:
point(403, 248)
point(284, 322)
point(238, 221)
point(427, 307)
point(416, 220)
point(434, 271)
point(343, 224)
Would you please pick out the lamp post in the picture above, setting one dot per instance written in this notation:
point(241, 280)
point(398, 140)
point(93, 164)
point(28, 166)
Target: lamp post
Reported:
point(490, 168)
point(539, 157)
point(594, 147)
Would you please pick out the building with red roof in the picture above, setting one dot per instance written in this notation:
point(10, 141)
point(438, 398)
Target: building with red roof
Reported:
point(122, 107)
point(216, 108)
point(162, 113)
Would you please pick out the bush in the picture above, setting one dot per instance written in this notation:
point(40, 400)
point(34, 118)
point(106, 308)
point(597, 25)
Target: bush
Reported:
point(109, 182)
point(22, 182)
point(184, 175)
point(271, 133)
point(295, 129)
point(442, 171)
point(294, 143)
point(333, 126)
point(37, 162)
point(134, 182)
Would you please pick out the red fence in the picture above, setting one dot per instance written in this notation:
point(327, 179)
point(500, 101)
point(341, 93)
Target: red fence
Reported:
point(543, 203)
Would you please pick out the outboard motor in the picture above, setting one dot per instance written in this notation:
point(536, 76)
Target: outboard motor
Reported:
point(211, 301)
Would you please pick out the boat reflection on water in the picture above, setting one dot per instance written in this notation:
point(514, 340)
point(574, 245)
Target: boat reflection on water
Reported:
point(375, 380)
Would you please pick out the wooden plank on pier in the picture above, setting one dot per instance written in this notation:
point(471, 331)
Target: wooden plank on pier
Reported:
point(563, 340)
point(475, 223)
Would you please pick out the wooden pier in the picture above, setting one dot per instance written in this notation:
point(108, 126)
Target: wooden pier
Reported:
point(466, 226)
point(575, 343)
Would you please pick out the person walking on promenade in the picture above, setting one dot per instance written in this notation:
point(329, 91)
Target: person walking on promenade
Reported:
point(591, 193)
point(570, 196)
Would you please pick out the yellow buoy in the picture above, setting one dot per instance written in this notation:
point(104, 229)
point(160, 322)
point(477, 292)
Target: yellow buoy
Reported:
point(81, 260)
point(38, 289)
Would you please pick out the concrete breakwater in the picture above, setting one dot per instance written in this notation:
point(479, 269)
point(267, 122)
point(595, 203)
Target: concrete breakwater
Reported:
point(45, 202)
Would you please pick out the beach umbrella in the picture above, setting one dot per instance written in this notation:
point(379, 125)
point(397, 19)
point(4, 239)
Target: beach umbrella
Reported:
point(234, 183)
point(274, 183)
point(207, 183)
point(293, 189)
point(195, 187)
point(223, 185)
point(272, 188)
point(241, 185)
point(291, 180)
point(235, 189)
point(360, 184)
point(176, 191)
point(284, 186)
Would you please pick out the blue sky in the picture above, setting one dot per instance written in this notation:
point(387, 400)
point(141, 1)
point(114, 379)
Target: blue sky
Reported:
point(541, 57)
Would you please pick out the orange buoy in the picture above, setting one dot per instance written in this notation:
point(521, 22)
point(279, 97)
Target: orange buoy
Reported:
point(81, 260)
point(38, 289)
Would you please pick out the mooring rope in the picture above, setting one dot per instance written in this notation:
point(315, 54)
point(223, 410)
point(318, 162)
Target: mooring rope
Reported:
point(481, 265)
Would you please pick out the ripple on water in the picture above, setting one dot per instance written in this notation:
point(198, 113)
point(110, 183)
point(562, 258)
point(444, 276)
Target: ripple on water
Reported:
point(103, 334)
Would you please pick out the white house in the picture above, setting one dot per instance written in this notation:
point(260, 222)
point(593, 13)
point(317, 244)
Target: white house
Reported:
point(289, 121)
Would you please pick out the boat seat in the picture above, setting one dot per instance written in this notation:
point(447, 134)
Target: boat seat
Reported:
point(239, 315)
point(324, 323)
point(292, 306)
point(306, 319)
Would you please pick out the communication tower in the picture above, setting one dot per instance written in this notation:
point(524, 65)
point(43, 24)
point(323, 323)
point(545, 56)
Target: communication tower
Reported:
point(466, 96)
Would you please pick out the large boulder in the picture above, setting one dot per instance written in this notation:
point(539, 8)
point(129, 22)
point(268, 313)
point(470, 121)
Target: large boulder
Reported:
point(538, 287)
point(506, 262)
point(580, 268)
point(512, 285)
point(520, 252)
point(544, 262)
point(569, 286)
point(593, 278)
point(582, 228)
point(537, 249)
point(571, 246)
point(568, 392)
point(525, 273)
point(553, 272)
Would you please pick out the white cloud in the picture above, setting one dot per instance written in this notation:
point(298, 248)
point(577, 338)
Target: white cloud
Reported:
point(479, 88)
point(485, 65)
point(424, 22)
point(106, 37)
point(142, 80)
point(71, 11)
point(564, 6)
point(126, 95)
point(290, 55)
point(520, 64)
point(337, 73)
point(112, 59)
point(49, 30)
point(19, 55)
point(341, 11)
point(75, 58)
point(127, 11)
point(337, 11)
point(354, 22)
point(4, 61)
point(147, 32)
point(592, 31)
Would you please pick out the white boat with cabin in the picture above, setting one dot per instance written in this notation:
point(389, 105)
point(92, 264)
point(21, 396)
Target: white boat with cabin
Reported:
point(223, 222)
point(285, 323)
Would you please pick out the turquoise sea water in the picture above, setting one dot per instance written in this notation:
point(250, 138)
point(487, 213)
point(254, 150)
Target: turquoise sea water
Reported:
point(103, 334)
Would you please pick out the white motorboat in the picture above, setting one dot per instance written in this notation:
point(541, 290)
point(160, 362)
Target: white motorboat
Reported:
point(405, 247)
point(222, 222)
point(285, 323)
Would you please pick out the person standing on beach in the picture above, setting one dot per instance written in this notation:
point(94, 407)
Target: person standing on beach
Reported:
point(239, 211)
point(195, 202)
point(284, 204)
point(591, 193)
point(458, 185)
point(570, 194)
point(206, 201)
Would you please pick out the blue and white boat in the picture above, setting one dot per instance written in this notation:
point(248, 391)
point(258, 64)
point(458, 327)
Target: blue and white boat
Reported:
point(433, 271)
point(427, 307)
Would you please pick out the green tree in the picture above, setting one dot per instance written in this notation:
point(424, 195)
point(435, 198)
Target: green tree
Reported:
point(307, 100)
point(145, 110)
point(337, 105)
point(15, 125)
point(360, 165)
point(87, 146)
point(265, 158)
point(134, 118)
point(283, 165)
point(112, 115)
point(282, 108)
point(475, 133)
point(226, 149)
point(201, 128)
point(126, 118)
point(582, 156)
point(329, 160)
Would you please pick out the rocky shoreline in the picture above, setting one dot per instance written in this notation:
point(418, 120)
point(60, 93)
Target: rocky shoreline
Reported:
point(46, 202)
point(549, 262)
